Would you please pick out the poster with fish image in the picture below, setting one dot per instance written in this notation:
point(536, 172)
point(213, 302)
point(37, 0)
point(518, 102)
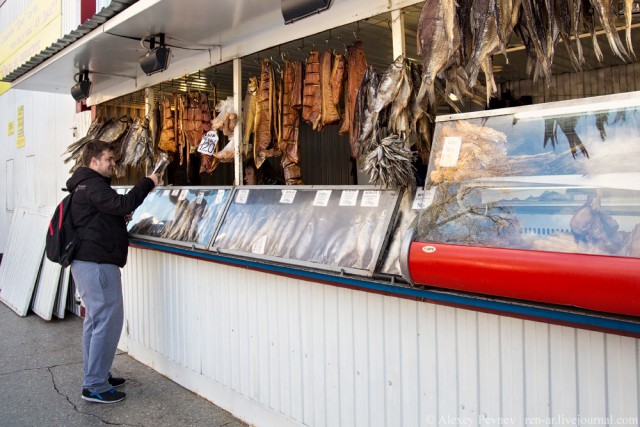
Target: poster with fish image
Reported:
point(182, 216)
point(328, 228)
point(563, 177)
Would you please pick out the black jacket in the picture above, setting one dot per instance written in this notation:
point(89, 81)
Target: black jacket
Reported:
point(98, 215)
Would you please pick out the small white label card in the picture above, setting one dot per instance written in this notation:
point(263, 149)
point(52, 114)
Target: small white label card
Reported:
point(175, 192)
point(288, 196)
point(199, 197)
point(219, 197)
point(450, 151)
point(423, 199)
point(183, 194)
point(259, 245)
point(322, 198)
point(242, 196)
point(166, 192)
point(349, 197)
point(370, 199)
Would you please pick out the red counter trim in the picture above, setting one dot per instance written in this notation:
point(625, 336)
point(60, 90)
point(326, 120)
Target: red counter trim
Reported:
point(601, 283)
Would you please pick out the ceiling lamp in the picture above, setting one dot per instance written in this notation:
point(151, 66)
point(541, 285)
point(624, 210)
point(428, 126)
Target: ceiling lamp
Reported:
point(157, 58)
point(81, 89)
point(293, 10)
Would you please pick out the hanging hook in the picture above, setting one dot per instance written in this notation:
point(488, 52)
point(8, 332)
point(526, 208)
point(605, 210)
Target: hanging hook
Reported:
point(357, 31)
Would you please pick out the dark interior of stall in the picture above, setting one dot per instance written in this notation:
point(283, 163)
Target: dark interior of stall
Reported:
point(325, 156)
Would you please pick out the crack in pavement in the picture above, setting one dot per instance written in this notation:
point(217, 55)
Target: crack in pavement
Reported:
point(75, 408)
point(2, 374)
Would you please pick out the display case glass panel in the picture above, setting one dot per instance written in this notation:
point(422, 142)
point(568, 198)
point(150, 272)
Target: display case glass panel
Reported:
point(561, 177)
point(331, 228)
point(180, 215)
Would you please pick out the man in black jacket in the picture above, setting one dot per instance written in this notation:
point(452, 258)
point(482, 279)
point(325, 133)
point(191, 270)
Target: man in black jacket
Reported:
point(99, 215)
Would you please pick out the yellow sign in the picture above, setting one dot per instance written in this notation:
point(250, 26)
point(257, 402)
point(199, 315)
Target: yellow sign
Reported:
point(10, 131)
point(31, 32)
point(4, 86)
point(20, 140)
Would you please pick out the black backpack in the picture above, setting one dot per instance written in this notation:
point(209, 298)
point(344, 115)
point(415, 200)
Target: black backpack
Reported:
point(62, 239)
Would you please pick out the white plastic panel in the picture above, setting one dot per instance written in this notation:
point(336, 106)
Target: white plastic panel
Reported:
point(63, 290)
point(21, 259)
point(306, 353)
point(46, 289)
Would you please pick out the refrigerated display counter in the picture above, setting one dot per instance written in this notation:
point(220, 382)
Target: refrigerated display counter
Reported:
point(538, 203)
point(343, 229)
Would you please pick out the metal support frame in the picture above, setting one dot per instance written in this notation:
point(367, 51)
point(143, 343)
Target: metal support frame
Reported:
point(397, 33)
point(237, 133)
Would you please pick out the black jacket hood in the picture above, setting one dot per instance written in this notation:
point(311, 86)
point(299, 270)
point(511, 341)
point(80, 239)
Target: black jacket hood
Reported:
point(82, 174)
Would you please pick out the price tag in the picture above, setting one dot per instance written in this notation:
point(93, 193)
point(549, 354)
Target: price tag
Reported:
point(175, 192)
point(450, 151)
point(349, 197)
point(288, 196)
point(242, 196)
point(219, 197)
point(322, 198)
point(370, 199)
point(423, 199)
point(166, 193)
point(259, 245)
point(183, 195)
point(199, 197)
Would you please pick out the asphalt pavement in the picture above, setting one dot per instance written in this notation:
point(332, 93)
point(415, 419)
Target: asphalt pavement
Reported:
point(41, 382)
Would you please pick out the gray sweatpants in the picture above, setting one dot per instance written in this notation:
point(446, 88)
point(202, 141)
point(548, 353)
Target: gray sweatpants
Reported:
point(100, 288)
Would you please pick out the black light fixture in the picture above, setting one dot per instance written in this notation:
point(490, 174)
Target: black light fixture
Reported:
point(81, 89)
point(293, 10)
point(157, 58)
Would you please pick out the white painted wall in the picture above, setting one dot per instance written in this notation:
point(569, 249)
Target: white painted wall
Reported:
point(277, 351)
point(37, 169)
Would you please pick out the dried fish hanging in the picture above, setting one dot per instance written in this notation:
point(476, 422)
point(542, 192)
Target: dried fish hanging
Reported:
point(288, 143)
point(112, 131)
point(388, 106)
point(458, 42)
point(208, 163)
point(249, 114)
point(263, 146)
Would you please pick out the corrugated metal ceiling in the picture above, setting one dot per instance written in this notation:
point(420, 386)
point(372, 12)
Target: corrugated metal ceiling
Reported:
point(114, 8)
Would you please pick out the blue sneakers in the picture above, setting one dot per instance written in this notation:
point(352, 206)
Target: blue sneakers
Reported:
point(109, 396)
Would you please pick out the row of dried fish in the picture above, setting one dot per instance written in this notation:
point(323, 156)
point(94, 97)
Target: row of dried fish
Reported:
point(295, 233)
point(458, 39)
point(131, 140)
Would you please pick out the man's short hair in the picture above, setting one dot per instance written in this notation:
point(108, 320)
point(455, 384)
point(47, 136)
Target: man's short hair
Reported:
point(94, 148)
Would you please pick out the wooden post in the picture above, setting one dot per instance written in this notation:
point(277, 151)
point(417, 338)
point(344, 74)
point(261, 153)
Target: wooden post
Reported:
point(237, 132)
point(397, 33)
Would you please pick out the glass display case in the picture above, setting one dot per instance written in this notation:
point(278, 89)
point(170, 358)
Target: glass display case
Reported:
point(340, 229)
point(181, 215)
point(564, 179)
point(538, 202)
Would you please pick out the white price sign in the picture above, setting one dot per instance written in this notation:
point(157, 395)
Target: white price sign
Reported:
point(370, 199)
point(423, 199)
point(183, 195)
point(349, 197)
point(322, 198)
point(450, 151)
point(175, 192)
point(165, 193)
point(242, 196)
point(288, 196)
point(219, 197)
point(200, 197)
